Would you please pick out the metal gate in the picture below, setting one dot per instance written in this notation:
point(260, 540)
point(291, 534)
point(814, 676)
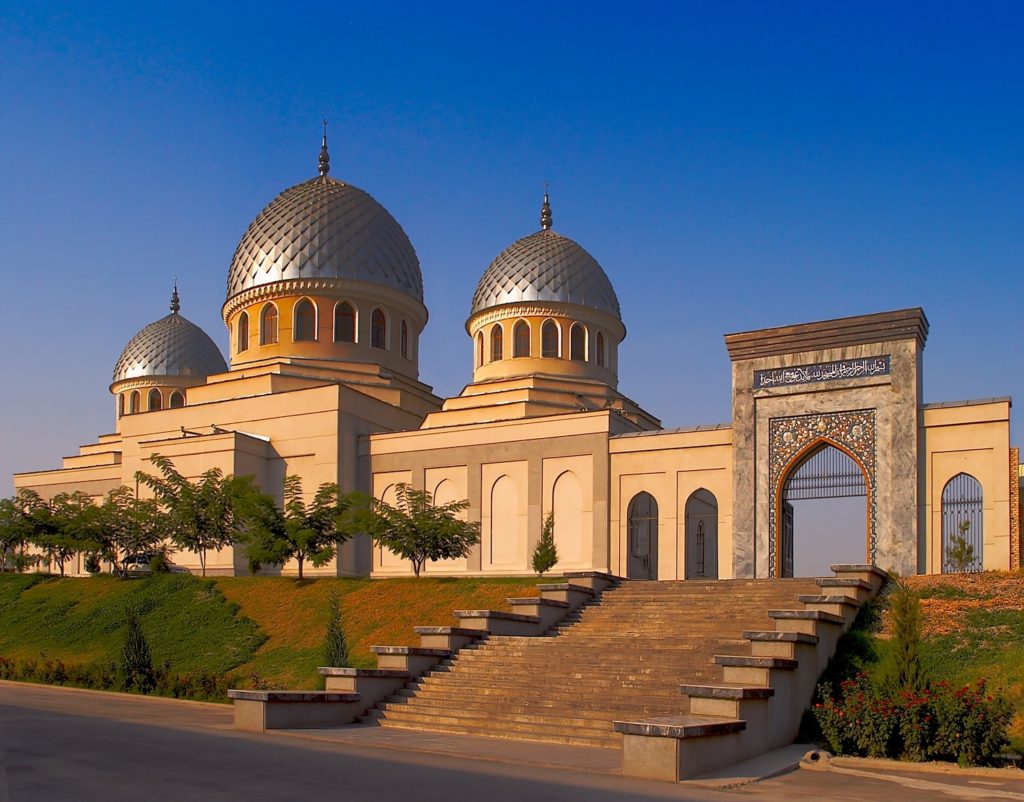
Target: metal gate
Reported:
point(962, 524)
point(828, 472)
point(642, 518)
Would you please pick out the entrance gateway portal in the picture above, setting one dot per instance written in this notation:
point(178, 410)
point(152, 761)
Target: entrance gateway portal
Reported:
point(826, 472)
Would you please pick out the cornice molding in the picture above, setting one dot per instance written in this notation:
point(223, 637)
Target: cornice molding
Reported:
point(337, 288)
point(574, 312)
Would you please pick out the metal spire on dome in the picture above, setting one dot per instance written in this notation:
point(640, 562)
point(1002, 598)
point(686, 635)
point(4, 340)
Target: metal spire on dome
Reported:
point(545, 210)
point(175, 303)
point(325, 158)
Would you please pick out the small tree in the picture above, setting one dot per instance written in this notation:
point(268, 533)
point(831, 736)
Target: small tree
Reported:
point(417, 530)
point(300, 531)
point(960, 553)
point(335, 646)
point(545, 555)
point(201, 514)
point(20, 524)
point(73, 527)
point(136, 659)
point(902, 669)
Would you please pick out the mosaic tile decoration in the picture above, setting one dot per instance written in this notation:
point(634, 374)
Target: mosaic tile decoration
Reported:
point(787, 437)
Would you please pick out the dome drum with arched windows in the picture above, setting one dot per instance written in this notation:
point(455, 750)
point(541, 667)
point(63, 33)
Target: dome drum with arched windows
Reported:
point(160, 362)
point(545, 305)
point(324, 272)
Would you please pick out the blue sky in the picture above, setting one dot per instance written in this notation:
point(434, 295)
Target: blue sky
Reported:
point(731, 165)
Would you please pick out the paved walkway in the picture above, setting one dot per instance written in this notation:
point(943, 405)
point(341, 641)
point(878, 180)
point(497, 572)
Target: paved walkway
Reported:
point(499, 750)
point(60, 744)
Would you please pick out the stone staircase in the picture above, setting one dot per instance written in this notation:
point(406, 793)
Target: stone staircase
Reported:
point(623, 658)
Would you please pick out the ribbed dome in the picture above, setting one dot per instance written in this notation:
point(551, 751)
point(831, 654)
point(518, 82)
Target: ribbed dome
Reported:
point(325, 228)
point(545, 267)
point(172, 346)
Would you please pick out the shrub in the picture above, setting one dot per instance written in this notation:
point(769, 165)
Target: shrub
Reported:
point(335, 646)
point(545, 555)
point(136, 659)
point(902, 669)
point(967, 725)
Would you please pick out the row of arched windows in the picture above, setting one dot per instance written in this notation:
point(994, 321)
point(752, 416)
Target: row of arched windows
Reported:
point(154, 401)
point(304, 326)
point(550, 343)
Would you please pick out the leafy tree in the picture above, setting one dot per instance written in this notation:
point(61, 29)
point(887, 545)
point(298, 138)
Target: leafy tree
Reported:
point(24, 519)
point(72, 524)
point(202, 514)
point(129, 527)
point(335, 644)
point(418, 530)
point(960, 553)
point(545, 555)
point(298, 531)
point(902, 668)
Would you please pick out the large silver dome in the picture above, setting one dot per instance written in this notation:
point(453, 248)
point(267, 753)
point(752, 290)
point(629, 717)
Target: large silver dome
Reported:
point(545, 267)
point(325, 228)
point(172, 346)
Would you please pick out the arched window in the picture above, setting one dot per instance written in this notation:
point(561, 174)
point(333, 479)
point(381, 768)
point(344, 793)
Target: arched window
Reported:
point(243, 332)
point(963, 512)
point(496, 342)
point(155, 400)
point(521, 339)
point(268, 325)
point(642, 520)
point(177, 400)
point(378, 329)
point(600, 350)
point(405, 340)
point(701, 535)
point(136, 402)
point(578, 342)
point(120, 404)
point(479, 349)
point(549, 339)
point(344, 323)
point(304, 320)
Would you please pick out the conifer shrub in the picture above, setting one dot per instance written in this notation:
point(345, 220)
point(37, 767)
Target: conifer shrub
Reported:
point(335, 652)
point(136, 663)
point(545, 555)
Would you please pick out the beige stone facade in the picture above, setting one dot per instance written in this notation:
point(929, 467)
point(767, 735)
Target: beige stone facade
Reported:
point(334, 396)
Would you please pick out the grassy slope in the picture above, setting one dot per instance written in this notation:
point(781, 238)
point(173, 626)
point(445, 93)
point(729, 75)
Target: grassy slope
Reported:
point(374, 612)
point(270, 626)
point(187, 621)
point(974, 629)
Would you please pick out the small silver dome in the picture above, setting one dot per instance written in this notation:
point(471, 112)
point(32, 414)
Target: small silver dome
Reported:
point(545, 267)
point(172, 346)
point(325, 228)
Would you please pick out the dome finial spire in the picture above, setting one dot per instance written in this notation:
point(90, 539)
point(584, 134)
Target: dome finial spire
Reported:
point(175, 303)
point(325, 158)
point(545, 210)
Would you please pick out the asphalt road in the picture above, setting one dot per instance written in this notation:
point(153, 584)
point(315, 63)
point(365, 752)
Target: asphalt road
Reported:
point(60, 744)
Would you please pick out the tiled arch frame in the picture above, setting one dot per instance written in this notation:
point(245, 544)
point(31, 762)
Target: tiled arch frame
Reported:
point(792, 438)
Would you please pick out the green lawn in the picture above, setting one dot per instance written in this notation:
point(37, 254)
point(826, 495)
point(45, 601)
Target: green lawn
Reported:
point(264, 628)
point(973, 629)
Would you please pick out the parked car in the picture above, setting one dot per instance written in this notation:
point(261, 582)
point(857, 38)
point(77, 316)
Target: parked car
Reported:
point(141, 564)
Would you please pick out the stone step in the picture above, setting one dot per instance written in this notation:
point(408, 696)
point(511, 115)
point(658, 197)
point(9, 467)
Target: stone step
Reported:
point(509, 728)
point(490, 732)
point(573, 719)
point(726, 691)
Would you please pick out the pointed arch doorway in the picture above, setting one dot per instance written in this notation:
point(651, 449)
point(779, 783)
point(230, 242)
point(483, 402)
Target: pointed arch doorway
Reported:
point(824, 502)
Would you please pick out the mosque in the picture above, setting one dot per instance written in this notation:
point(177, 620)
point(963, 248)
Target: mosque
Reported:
point(325, 310)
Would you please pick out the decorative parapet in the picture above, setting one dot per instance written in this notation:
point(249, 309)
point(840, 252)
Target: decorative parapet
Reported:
point(1016, 476)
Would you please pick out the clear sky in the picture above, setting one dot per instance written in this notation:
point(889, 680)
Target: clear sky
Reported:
point(731, 165)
